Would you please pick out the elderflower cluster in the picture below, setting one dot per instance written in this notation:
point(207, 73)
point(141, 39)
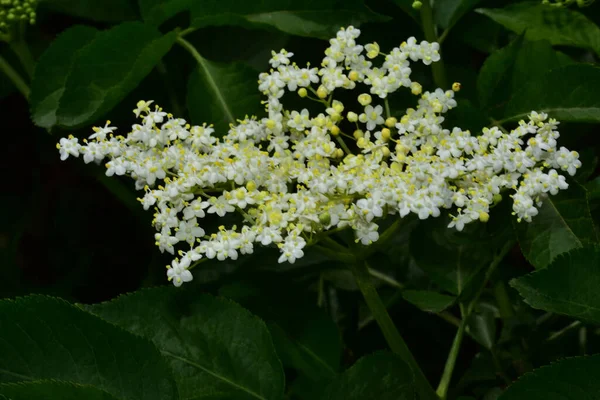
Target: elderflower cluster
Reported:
point(295, 174)
point(13, 11)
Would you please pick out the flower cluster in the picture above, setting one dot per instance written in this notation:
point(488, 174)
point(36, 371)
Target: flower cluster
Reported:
point(294, 175)
point(13, 11)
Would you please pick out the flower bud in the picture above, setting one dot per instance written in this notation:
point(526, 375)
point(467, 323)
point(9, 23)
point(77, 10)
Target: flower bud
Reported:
point(416, 88)
point(302, 92)
point(391, 122)
point(353, 76)
point(352, 116)
point(358, 134)
point(456, 86)
point(364, 99)
point(385, 134)
point(417, 5)
point(322, 92)
point(334, 130)
point(325, 218)
point(484, 217)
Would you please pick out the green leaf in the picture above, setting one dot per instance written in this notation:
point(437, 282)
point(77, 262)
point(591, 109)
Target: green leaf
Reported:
point(558, 25)
point(312, 18)
point(564, 223)
point(51, 73)
point(220, 94)
point(85, 73)
point(568, 286)
point(216, 348)
point(569, 379)
point(428, 300)
point(48, 338)
point(482, 327)
point(593, 189)
point(104, 11)
point(510, 69)
point(567, 94)
point(455, 260)
point(382, 376)
point(306, 339)
point(448, 12)
point(43, 390)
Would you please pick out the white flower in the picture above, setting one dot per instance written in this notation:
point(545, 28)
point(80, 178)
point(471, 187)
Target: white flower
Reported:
point(372, 116)
point(68, 146)
point(189, 230)
point(178, 272)
point(291, 249)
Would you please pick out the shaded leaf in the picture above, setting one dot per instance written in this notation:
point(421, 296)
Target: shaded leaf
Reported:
point(567, 94)
point(454, 260)
point(558, 25)
point(428, 300)
point(306, 339)
point(220, 94)
point(564, 223)
point(100, 70)
point(313, 18)
point(569, 379)
point(382, 376)
point(568, 286)
point(105, 11)
point(42, 390)
point(507, 71)
point(48, 338)
point(51, 73)
point(482, 327)
point(216, 348)
point(448, 12)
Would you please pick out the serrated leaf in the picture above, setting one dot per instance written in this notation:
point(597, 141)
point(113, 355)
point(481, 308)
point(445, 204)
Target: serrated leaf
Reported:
point(104, 11)
point(312, 18)
point(307, 340)
point(569, 379)
point(220, 94)
point(382, 376)
point(51, 73)
point(564, 223)
point(48, 338)
point(448, 12)
point(216, 348)
point(558, 25)
point(99, 71)
point(43, 390)
point(567, 94)
point(455, 260)
point(428, 300)
point(567, 286)
point(507, 71)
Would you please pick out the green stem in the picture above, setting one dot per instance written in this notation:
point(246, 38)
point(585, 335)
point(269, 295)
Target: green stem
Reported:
point(14, 76)
point(387, 108)
point(343, 144)
point(439, 74)
point(566, 329)
point(442, 390)
point(503, 300)
point(363, 280)
point(20, 48)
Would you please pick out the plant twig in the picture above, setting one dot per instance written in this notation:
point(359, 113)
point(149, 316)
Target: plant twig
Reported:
point(14, 77)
